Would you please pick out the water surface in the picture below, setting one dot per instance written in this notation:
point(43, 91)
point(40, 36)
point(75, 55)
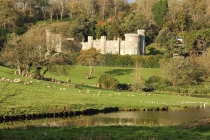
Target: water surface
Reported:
point(120, 118)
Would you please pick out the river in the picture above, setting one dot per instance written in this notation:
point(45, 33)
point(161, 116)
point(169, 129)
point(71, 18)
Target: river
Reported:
point(119, 118)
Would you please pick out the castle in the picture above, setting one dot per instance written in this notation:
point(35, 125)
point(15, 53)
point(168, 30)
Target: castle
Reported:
point(134, 44)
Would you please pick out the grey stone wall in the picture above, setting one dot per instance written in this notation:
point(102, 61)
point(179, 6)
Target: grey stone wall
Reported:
point(133, 44)
point(53, 42)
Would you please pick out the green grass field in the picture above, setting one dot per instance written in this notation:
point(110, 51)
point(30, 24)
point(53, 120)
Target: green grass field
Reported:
point(42, 96)
point(108, 133)
point(78, 74)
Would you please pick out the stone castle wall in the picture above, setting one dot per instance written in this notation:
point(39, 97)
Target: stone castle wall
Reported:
point(53, 41)
point(133, 44)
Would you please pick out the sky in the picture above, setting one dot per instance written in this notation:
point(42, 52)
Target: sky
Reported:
point(130, 1)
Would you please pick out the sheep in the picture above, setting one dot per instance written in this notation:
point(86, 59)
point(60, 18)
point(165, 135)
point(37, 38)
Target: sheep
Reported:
point(17, 80)
point(3, 79)
point(26, 83)
point(144, 94)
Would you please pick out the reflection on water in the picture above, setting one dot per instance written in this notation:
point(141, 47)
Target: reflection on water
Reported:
point(120, 118)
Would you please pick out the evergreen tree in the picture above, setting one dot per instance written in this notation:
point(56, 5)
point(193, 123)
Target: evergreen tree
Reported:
point(159, 10)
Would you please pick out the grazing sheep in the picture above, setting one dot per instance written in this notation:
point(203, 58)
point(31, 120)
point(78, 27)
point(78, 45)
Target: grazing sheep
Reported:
point(17, 80)
point(26, 83)
point(144, 94)
point(7, 80)
point(88, 91)
point(3, 79)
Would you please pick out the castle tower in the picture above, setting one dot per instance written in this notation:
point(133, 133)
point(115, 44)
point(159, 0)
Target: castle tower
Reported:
point(53, 41)
point(132, 44)
point(142, 42)
point(103, 44)
point(48, 39)
point(90, 42)
point(118, 45)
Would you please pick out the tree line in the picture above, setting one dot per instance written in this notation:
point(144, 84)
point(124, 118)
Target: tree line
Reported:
point(112, 18)
point(23, 24)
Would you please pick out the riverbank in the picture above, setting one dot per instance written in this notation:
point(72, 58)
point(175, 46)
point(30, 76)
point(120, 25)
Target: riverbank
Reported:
point(38, 98)
point(195, 130)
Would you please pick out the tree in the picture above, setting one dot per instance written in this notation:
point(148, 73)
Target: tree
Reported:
point(73, 8)
point(108, 82)
point(60, 6)
point(30, 57)
point(105, 7)
point(44, 7)
point(204, 63)
point(181, 22)
point(135, 22)
point(164, 37)
point(160, 9)
point(9, 15)
point(196, 9)
point(89, 7)
point(200, 41)
point(183, 72)
point(145, 8)
point(90, 57)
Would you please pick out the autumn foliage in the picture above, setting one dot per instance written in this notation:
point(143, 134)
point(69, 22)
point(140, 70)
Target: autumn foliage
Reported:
point(90, 57)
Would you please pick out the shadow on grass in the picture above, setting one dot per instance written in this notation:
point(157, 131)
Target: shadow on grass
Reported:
point(106, 133)
point(117, 72)
point(93, 77)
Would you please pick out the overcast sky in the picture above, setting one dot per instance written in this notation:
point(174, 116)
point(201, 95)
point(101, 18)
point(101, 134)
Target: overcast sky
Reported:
point(131, 1)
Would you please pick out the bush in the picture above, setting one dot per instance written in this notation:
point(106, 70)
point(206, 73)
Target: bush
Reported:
point(116, 60)
point(156, 82)
point(108, 82)
point(137, 87)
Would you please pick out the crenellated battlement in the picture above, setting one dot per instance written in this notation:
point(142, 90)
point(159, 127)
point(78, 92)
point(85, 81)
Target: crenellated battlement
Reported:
point(133, 44)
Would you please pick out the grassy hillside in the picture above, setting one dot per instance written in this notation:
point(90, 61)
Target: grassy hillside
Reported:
point(78, 74)
point(42, 96)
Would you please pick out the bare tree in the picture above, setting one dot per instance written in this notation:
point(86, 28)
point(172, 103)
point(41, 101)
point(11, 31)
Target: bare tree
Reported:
point(72, 6)
point(196, 9)
point(8, 14)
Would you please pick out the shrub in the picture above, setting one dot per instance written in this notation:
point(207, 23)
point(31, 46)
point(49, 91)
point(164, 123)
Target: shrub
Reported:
point(137, 87)
point(156, 82)
point(108, 82)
